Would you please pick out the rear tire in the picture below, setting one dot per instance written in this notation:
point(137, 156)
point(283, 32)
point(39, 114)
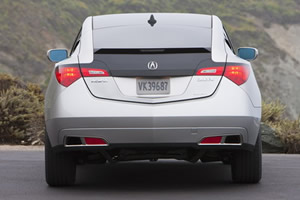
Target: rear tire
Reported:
point(60, 167)
point(246, 166)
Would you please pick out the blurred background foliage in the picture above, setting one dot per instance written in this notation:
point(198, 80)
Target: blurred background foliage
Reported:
point(287, 130)
point(21, 108)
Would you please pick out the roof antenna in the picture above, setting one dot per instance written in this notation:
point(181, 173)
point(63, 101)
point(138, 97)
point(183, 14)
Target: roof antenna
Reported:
point(152, 21)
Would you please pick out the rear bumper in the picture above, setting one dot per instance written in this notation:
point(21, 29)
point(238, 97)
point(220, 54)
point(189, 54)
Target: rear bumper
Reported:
point(153, 131)
point(73, 111)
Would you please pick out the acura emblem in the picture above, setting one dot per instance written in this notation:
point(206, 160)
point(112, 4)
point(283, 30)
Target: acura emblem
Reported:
point(152, 65)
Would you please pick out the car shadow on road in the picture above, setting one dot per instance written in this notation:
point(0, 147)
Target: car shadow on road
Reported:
point(154, 176)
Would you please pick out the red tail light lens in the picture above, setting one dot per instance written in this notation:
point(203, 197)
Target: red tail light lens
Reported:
point(237, 74)
point(94, 141)
point(67, 75)
point(210, 71)
point(91, 72)
point(212, 140)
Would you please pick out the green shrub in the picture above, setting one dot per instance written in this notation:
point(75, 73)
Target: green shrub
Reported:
point(289, 133)
point(272, 111)
point(288, 130)
point(21, 108)
point(7, 81)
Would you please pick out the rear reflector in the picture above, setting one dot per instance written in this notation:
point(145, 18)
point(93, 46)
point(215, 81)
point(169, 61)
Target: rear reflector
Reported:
point(210, 71)
point(67, 75)
point(94, 141)
point(237, 74)
point(91, 72)
point(212, 140)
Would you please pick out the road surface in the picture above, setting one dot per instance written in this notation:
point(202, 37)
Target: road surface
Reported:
point(22, 177)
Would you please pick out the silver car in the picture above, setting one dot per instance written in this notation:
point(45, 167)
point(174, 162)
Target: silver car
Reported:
point(148, 87)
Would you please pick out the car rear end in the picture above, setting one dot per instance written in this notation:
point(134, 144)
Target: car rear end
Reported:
point(138, 91)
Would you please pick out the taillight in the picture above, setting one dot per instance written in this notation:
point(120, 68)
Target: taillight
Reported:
point(210, 71)
point(67, 75)
point(238, 74)
point(91, 72)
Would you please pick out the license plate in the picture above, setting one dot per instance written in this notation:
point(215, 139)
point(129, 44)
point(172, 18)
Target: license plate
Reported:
point(153, 86)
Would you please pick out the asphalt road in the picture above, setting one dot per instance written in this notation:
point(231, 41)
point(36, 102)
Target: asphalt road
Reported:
point(22, 177)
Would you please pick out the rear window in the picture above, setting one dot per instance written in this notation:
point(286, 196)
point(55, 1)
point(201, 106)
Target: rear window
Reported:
point(152, 37)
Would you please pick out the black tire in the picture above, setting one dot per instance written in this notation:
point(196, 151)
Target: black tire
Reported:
point(246, 166)
point(60, 167)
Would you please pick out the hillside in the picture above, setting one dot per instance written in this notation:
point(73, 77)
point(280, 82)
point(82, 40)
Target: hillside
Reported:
point(30, 27)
